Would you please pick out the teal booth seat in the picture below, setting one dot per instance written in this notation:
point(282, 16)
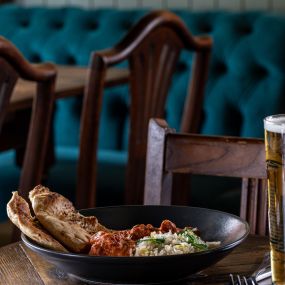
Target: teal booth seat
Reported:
point(246, 83)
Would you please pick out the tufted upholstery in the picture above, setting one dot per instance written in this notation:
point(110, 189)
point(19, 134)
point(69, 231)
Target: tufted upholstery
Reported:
point(246, 80)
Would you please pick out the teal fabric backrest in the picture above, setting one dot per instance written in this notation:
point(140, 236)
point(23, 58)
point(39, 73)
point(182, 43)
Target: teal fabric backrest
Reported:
point(246, 80)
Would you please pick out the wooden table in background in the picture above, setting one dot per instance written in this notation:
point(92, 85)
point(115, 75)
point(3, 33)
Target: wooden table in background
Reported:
point(70, 82)
point(19, 265)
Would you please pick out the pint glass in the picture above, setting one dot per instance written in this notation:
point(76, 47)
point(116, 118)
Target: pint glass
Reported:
point(275, 159)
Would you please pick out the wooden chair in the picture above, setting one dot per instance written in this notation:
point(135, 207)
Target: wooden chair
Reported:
point(14, 66)
point(169, 152)
point(152, 49)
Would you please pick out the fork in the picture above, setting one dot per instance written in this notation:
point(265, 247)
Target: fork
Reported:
point(242, 280)
point(262, 272)
point(264, 269)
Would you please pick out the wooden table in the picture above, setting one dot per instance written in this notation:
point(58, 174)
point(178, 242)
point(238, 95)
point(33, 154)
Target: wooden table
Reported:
point(18, 265)
point(70, 82)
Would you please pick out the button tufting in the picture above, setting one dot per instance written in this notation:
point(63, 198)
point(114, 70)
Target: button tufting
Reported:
point(24, 23)
point(205, 28)
point(245, 30)
point(92, 25)
point(220, 67)
point(36, 58)
point(259, 72)
point(71, 60)
point(57, 25)
point(127, 25)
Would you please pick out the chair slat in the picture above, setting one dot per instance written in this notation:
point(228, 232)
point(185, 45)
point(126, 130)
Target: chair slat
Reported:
point(36, 131)
point(13, 66)
point(170, 153)
point(219, 156)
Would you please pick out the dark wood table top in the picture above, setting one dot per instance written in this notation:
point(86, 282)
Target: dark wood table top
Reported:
point(19, 265)
point(70, 82)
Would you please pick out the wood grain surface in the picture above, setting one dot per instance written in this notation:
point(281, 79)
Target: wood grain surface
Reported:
point(19, 265)
point(16, 268)
point(70, 82)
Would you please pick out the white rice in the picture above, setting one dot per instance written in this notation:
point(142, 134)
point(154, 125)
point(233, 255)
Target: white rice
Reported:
point(169, 243)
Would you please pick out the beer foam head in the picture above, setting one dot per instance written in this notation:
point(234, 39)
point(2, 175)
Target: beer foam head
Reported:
point(275, 123)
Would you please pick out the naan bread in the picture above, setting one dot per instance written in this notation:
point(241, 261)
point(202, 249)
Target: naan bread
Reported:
point(19, 213)
point(60, 218)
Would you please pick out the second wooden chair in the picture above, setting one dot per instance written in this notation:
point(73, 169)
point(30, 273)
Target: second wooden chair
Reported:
point(169, 152)
point(152, 49)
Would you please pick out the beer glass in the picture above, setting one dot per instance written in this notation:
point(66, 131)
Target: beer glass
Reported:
point(275, 159)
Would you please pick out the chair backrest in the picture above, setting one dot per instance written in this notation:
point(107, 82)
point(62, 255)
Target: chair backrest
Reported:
point(152, 49)
point(13, 66)
point(169, 152)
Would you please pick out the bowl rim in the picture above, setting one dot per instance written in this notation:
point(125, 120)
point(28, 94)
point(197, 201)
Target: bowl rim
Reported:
point(34, 246)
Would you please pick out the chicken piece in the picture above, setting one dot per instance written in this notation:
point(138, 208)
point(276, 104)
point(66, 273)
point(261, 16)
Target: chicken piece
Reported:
point(140, 231)
point(167, 226)
point(111, 244)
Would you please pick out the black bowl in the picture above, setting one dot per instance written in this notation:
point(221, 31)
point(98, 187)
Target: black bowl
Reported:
point(213, 225)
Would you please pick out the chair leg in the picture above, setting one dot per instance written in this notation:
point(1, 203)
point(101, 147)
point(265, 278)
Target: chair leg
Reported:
point(50, 156)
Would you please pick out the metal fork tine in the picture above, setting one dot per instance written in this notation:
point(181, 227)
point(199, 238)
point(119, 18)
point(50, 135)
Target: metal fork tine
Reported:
point(239, 280)
point(253, 282)
point(245, 281)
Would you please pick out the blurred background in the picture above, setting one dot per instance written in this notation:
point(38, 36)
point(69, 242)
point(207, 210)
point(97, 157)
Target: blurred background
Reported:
point(249, 44)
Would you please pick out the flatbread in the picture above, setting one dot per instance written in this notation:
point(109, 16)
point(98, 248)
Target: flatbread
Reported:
point(58, 215)
point(19, 213)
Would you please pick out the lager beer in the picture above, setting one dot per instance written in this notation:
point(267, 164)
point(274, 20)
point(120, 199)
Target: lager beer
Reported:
point(275, 158)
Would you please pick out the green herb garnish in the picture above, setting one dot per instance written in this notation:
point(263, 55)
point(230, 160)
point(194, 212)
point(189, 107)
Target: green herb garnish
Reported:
point(153, 240)
point(193, 239)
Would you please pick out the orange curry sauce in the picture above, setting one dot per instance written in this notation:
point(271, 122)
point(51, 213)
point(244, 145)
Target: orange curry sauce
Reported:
point(123, 243)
